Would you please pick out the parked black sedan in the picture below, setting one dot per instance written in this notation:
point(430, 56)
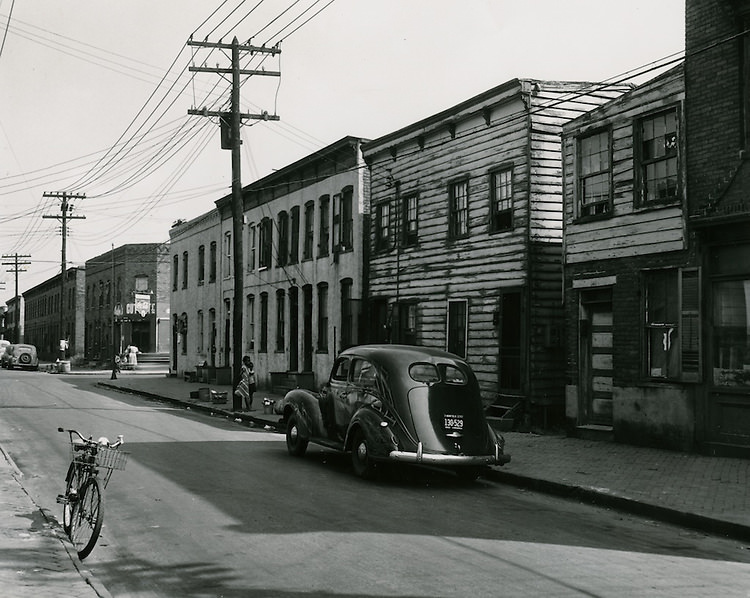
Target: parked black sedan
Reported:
point(397, 403)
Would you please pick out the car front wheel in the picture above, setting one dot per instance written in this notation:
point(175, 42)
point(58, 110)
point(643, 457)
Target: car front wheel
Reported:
point(296, 444)
point(361, 461)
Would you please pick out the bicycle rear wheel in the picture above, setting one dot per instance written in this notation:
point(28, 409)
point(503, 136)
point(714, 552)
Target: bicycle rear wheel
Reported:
point(71, 496)
point(86, 517)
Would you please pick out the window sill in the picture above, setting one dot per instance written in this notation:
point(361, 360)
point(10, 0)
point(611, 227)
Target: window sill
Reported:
point(594, 218)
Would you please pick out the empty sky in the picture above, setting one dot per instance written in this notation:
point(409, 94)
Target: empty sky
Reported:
point(94, 95)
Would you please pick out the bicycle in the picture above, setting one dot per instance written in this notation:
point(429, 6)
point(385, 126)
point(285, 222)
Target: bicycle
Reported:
point(83, 501)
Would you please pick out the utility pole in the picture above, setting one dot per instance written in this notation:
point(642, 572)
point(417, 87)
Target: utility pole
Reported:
point(64, 216)
point(16, 268)
point(230, 129)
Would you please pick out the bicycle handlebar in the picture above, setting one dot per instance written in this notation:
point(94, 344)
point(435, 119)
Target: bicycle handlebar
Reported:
point(89, 441)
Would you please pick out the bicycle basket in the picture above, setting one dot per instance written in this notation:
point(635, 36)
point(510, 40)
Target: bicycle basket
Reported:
point(111, 458)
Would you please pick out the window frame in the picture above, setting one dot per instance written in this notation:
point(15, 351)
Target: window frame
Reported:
point(410, 219)
point(641, 163)
point(507, 211)
point(581, 178)
point(458, 228)
point(450, 327)
point(383, 226)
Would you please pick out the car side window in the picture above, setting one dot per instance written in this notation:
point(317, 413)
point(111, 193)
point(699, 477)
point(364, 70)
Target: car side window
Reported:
point(364, 374)
point(341, 370)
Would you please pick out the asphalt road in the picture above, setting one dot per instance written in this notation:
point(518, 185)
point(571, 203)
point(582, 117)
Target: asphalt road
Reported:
point(208, 507)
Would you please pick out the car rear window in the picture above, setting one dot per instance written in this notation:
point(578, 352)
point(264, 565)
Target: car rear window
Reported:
point(453, 375)
point(424, 372)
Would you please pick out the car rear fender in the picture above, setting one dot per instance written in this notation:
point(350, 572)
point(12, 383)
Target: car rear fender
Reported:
point(380, 437)
point(304, 404)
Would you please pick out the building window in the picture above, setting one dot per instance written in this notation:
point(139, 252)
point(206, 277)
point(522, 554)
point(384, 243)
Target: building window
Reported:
point(280, 319)
point(250, 340)
point(458, 217)
point(201, 264)
point(266, 242)
point(307, 252)
point(251, 248)
point(410, 224)
point(263, 322)
point(404, 324)
point(227, 270)
point(347, 314)
point(201, 337)
point(347, 219)
point(322, 317)
point(324, 231)
point(141, 284)
point(658, 167)
point(294, 236)
point(283, 254)
point(457, 327)
point(212, 262)
point(183, 328)
point(175, 272)
point(594, 197)
point(501, 190)
point(382, 226)
point(185, 269)
point(672, 324)
point(731, 331)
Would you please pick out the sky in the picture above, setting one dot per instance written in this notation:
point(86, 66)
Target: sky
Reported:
point(94, 96)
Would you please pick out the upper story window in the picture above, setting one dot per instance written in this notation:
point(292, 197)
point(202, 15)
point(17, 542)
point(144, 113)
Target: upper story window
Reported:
point(410, 223)
point(175, 272)
point(251, 248)
point(658, 157)
point(266, 242)
point(594, 168)
point(343, 223)
point(201, 264)
point(227, 254)
point(185, 269)
point(212, 262)
point(382, 226)
point(458, 209)
point(307, 251)
point(294, 236)
point(324, 232)
point(501, 190)
point(283, 254)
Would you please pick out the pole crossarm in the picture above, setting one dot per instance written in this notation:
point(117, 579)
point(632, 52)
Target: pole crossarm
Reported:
point(218, 114)
point(244, 47)
point(228, 71)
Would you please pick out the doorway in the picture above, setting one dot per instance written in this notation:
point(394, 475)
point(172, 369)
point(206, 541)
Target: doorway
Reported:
point(596, 362)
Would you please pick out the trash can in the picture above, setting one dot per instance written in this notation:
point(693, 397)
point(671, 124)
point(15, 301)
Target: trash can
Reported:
point(268, 406)
point(63, 367)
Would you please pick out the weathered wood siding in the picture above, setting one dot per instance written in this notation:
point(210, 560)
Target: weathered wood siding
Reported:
point(628, 231)
point(516, 125)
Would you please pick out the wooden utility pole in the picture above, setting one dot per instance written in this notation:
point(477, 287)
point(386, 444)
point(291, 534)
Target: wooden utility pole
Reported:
point(64, 216)
point(16, 268)
point(230, 129)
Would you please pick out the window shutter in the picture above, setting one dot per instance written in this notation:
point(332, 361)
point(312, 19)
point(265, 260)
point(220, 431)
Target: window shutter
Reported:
point(690, 325)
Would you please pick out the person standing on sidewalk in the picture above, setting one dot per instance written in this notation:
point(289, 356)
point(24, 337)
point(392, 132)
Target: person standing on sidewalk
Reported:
point(246, 388)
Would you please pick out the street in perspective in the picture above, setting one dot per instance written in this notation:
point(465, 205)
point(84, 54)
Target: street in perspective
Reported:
point(213, 505)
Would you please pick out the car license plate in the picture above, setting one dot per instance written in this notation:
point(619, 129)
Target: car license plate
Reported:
point(453, 422)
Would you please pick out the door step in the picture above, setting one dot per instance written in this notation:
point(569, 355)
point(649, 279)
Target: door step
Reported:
point(595, 432)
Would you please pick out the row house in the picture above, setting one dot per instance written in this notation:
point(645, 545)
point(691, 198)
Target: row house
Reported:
point(630, 275)
point(466, 238)
point(717, 115)
point(303, 234)
point(127, 301)
point(14, 325)
point(54, 311)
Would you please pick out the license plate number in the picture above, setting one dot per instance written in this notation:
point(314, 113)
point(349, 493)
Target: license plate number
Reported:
point(453, 423)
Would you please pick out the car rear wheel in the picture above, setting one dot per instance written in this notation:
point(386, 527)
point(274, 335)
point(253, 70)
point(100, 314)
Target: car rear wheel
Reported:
point(296, 444)
point(362, 463)
point(24, 359)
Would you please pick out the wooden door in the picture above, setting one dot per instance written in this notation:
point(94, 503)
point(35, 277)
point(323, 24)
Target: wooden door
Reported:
point(596, 362)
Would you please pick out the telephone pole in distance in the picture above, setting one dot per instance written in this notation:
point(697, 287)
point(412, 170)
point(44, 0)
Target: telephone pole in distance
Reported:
point(64, 216)
point(230, 129)
point(18, 261)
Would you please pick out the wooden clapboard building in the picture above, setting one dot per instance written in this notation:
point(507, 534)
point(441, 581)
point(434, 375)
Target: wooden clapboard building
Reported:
point(632, 309)
point(466, 237)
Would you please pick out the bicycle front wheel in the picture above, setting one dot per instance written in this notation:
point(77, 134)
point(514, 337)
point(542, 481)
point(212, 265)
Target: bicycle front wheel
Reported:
point(86, 518)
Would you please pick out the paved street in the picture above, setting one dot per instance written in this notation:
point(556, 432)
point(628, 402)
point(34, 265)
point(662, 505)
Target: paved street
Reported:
point(249, 490)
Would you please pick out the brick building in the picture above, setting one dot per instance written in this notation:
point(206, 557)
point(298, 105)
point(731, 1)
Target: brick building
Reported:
point(717, 109)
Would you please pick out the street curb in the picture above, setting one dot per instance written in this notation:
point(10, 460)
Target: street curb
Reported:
point(245, 417)
point(591, 496)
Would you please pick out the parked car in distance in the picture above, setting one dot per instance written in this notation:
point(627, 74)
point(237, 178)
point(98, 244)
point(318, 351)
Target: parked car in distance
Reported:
point(20, 356)
point(397, 403)
point(5, 355)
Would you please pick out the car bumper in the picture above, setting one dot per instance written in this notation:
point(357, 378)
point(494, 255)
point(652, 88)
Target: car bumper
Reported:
point(420, 456)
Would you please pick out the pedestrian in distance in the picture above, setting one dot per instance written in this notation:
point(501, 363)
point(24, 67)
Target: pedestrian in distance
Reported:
point(246, 387)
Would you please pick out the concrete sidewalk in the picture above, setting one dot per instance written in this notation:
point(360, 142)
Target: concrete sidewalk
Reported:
point(706, 493)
